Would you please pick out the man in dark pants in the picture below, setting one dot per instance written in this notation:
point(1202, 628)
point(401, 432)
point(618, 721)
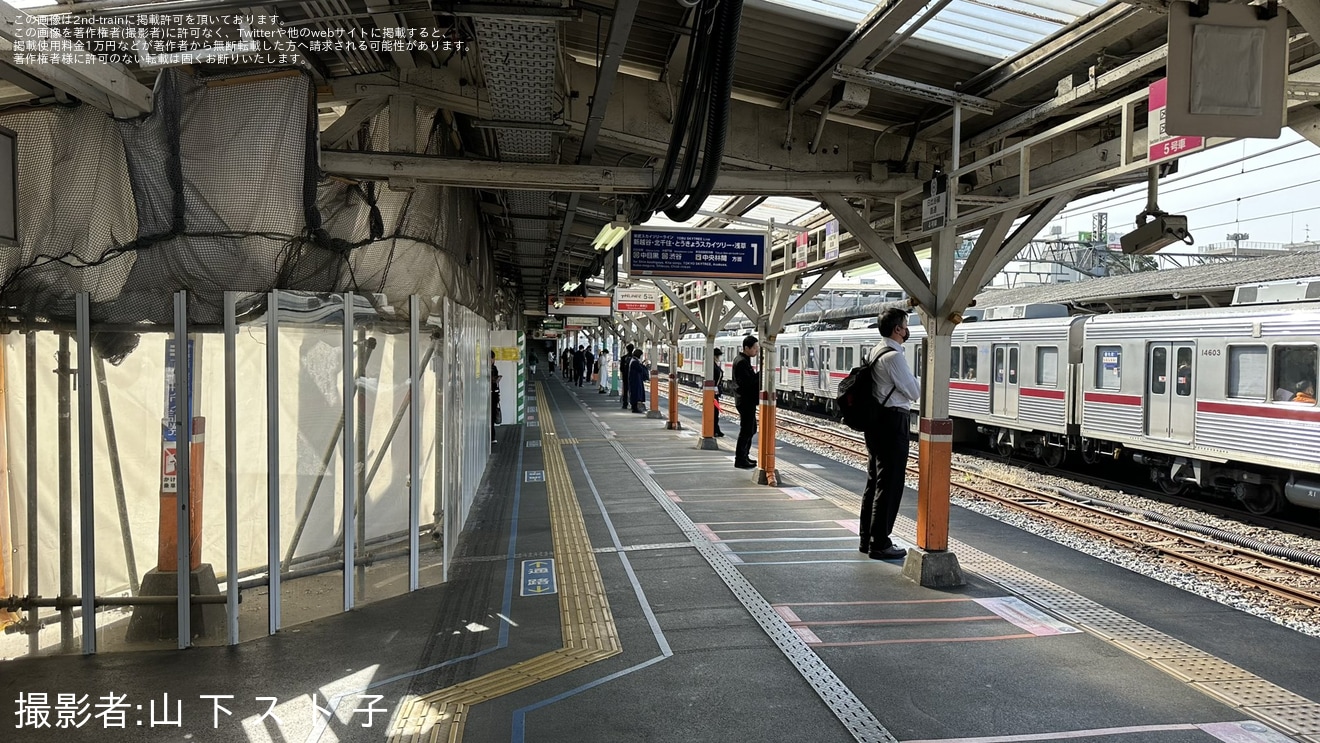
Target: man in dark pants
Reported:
point(719, 389)
point(579, 363)
point(638, 375)
point(625, 381)
point(895, 389)
point(747, 393)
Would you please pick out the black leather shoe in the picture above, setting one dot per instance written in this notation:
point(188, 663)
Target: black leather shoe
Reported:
point(888, 553)
point(865, 547)
point(745, 465)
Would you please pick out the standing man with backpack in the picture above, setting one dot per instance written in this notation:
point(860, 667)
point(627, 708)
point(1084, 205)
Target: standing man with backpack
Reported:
point(894, 388)
point(747, 393)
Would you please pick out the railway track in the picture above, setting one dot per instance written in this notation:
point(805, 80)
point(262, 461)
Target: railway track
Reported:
point(1296, 583)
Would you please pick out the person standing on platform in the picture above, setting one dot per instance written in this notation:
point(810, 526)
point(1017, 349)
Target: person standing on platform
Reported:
point(625, 381)
point(638, 374)
point(494, 397)
point(579, 365)
point(747, 393)
point(531, 362)
point(895, 389)
point(588, 365)
point(719, 389)
point(603, 371)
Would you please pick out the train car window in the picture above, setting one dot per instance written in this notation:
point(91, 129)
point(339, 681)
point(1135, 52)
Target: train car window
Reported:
point(1183, 380)
point(1108, 367)
point(955, 362)
point(999, 365)
point(783, 357)
point(1159, 370)
point(811, 357)
point(849, 359)
point(1047, 366)
point(1013, 365)
point(1295, 374)
point(1247, 372)
point(969, 362)
point(797, 357)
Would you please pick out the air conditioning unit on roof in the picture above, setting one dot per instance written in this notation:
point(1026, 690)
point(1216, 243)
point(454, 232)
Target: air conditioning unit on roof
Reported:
point(1278, 292)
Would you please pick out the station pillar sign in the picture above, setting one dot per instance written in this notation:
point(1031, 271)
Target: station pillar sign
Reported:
point(1160, 144)
point(637, 299)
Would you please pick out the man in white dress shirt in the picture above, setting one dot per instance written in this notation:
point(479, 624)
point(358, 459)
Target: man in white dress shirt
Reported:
point(895, 388)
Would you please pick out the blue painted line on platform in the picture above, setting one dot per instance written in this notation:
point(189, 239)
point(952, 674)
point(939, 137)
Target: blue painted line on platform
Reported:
point(520, 714)
point(538, 577)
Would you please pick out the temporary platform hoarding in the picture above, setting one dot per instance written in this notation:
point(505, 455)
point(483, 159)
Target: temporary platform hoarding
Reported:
point(696, 253)
point(637, 299)
point(594, 306)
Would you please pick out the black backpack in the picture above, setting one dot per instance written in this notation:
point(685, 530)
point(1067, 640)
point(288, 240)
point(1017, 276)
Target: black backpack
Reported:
point(856, 402)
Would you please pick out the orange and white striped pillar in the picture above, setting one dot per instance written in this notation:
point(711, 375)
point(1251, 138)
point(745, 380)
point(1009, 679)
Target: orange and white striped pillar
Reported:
point(766, 474)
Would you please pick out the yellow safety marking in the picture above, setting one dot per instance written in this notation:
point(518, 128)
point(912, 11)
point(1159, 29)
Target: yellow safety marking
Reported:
point(587, 624)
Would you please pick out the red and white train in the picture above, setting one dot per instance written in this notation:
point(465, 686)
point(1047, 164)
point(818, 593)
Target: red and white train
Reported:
point(1223, 399)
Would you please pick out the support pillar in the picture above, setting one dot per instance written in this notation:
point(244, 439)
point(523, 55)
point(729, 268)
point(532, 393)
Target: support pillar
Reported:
point(708, 413)
point(653, 410)
point(931, 564)
point(766, 473)
point(674, 358)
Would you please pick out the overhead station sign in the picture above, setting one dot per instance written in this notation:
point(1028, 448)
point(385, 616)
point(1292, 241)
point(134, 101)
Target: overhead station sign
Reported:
point(592, 306)
point(1162, 145)
point(637, 299)
point(696, 253)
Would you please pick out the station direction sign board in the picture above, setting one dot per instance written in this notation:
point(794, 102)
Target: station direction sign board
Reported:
point(592, 306)
point(582, 322)
point(1160, 144)
point(552, 323)
point(696, 253)
point(637, 299)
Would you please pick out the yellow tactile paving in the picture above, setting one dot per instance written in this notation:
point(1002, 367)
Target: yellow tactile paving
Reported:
point(588, 630)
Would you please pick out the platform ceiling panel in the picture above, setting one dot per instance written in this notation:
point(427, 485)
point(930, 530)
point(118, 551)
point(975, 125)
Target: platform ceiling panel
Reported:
point(776, 52)
point(997, 29)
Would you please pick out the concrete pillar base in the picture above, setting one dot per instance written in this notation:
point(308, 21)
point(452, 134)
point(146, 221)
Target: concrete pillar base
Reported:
point(709, 443)
point(654, 414)
point(674, 426)
point(151, 622)
point(933, 569)
point(767, 477)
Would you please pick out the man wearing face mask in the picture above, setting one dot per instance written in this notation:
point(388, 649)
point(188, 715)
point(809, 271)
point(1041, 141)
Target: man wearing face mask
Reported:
point(895, 389)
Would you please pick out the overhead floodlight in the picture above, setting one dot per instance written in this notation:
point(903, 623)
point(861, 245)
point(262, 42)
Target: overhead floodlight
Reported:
point(610, 235)
point(571, 285)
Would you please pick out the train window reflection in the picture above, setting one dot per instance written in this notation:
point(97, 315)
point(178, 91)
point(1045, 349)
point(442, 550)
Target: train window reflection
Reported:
point(1108, 367)
point(1047, 366)
point(955, 361)
point(1013, 365)
point(1159, 370)
point(969, 362)
point(999, 365)
point(1247, 372)
point(1295, 374)
point(1183, 380)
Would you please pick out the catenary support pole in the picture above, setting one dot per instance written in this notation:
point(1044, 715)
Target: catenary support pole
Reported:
point(33, 553)
point(64, 406)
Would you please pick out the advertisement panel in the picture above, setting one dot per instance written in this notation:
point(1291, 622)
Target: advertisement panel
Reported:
point(637, 299)
point(593, 306)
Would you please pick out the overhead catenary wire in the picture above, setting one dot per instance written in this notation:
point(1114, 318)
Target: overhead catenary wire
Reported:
point(1073, 211)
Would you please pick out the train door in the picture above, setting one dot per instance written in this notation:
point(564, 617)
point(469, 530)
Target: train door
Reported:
point(783, 365)
point(824, 383)
point(1170, 398)
point(1004, 386)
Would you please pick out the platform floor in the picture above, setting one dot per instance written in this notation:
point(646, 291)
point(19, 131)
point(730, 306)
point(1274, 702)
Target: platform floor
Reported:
point(619, 584)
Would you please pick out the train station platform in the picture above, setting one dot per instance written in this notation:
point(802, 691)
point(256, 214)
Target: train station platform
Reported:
point(616, 583)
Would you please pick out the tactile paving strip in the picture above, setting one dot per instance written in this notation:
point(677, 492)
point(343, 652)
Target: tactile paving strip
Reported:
point(587, 624)
point(1236, 687)
point(837, 696)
